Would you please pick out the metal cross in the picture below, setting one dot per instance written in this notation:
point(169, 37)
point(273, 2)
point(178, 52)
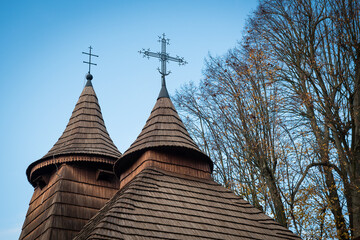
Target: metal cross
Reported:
point(90, 55)
point(163, 56)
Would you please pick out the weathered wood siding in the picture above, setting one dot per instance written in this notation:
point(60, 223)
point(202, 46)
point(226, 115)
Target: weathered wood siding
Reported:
point(71, 197)
point(172, 163)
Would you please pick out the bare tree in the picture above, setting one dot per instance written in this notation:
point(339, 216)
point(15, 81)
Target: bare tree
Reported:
point(317, 46)
point(235, 117)
point(280, 115)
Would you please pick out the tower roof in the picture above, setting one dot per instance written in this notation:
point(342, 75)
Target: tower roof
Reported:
point(163, 130)
point(85, 134)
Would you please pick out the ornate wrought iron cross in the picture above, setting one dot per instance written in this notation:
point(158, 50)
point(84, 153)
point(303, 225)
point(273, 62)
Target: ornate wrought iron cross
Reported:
point(90, 55)
point(163, 57)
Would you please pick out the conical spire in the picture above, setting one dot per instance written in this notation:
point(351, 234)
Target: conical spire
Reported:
point(85, 134)
point(163, 130)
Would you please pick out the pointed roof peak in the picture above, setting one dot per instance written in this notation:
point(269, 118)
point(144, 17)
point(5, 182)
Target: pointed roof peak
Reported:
point(86, 131)
point(163, 130)
point(85, 134)
point(163, 91)
point(88, 83)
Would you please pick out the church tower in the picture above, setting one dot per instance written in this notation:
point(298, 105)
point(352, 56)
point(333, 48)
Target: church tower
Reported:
point(75, 178)
point(166, 188)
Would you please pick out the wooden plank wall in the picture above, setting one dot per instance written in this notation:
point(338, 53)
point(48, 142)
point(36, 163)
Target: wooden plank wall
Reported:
point(71, 197)
point(168, 162)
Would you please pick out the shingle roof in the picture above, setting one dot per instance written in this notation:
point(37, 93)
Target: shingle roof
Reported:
point(161, 205)
point(163, 130)
point(85, 132)
point(160, 199)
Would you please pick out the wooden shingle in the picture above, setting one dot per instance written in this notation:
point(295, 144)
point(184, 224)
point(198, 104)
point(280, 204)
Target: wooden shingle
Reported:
point(163, 130)
point(159, 204)
point(71, 197)
point(85, 134)
point(74, 179)
point(166, 192)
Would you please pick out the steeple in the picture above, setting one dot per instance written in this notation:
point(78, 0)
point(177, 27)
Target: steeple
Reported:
point(74, 179)
point(164, 131)
point(85, 134)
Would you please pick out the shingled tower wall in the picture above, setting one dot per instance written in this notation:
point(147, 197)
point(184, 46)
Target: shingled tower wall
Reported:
point(75, 178)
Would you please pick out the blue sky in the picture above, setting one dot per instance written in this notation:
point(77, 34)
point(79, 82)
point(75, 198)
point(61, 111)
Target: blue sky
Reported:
point(42, 74)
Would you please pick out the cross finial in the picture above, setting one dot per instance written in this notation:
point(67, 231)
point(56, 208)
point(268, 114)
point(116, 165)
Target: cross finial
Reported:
point(164, 58)
point(89, 62)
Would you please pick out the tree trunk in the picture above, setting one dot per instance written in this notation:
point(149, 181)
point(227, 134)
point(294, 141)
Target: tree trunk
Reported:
point(335, 206)
point(279, 209)
point(355, 163)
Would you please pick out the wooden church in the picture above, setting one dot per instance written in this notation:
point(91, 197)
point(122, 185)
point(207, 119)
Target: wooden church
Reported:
point(160, 188)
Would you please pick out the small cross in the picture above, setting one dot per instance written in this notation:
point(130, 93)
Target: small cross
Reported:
point(163, 56)
point(90, 55)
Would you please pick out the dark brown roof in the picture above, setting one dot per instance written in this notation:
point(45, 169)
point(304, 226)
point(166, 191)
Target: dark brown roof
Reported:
point(72, 196)
point(163, 130)
point(85, 133)
point(161, 205)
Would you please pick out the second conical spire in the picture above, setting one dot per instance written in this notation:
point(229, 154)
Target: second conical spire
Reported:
point(163, 130)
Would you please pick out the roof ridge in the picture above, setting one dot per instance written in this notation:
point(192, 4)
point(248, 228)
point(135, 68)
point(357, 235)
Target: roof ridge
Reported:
point(187, 139)
point(163, 115)
point(81, 120)
point(96, 133)
point(162, 107)
point(148, 131)
point(82, 102)
point(159, 122)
